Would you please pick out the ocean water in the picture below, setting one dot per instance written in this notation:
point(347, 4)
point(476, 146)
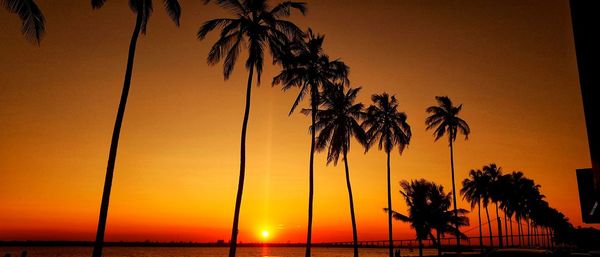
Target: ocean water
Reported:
point(201, 252)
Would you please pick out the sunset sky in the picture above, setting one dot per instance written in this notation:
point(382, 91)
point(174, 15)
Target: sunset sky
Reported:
point(512, 64)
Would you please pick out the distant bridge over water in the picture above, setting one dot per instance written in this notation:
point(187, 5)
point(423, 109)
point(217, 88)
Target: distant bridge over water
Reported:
point(472, 242)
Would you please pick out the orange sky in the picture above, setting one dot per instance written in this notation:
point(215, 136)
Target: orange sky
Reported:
point(512, 65)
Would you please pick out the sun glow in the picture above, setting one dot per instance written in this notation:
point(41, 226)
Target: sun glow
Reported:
point(264, 234)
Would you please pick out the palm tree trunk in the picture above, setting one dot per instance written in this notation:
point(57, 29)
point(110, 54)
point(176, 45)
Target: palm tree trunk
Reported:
point(528, 232)
point(542, 237)
point(480, 230)
point(520, 231)
point(439, 242)
point(112, 155)
point(354, 233)
point(500, 244)
point(489, 226)
point(238, 199)
point(454, 197)
point(389, 200)
point(551, 238)
point(535, 236)
point(506, 228)
point(420, 247)
point(314, 105)
point(512, 236)
point(546, 237)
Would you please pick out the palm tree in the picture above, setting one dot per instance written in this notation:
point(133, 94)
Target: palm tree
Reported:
point(384, 123)
point(444, 118)
point(428, 208)
point(514, 203)
point(443, 219)
point(32, 19)
point(416, 195)
point(531, 196)
point(510, 198)
point(474, 191)
point(494, 173)
point(338, 122)
point(257, 27)
point(142, 9)
point(306, 66)
point(500, 191)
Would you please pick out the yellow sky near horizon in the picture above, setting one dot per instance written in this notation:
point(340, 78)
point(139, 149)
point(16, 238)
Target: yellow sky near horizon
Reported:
point(511, 64)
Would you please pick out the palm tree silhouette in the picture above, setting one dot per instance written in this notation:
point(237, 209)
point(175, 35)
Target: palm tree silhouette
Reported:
point(428, 209)
point(474, 190)
point(514, 204)
point(255, 26)
point(494, 173)
point(337, 122)
point(530, 196)
point(385, 124)
point(142, 9)
point(522, 198)
point(443, 218)
point(444, 118)
point(511, 198)
point(32, 19)
point(501, 187)
point(306, 66)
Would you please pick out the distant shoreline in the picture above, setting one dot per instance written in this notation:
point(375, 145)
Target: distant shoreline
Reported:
point(171, 244)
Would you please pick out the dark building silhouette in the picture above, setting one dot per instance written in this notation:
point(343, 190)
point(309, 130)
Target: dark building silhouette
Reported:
point(585, 15)
point(589, 206)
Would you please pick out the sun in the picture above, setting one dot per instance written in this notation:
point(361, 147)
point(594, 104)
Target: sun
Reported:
point(264, 234)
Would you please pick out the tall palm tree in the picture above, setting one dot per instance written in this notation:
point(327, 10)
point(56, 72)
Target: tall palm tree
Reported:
point(306, 66)
point(142, 9)
point(257, 27)
point(428, 209)
point(385, 124)
point(337, 123)
point(32, 19)
point(444, 119)
point(474, 191)
point(494, 173)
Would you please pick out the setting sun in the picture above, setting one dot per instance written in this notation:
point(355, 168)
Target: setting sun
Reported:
point(264, 234)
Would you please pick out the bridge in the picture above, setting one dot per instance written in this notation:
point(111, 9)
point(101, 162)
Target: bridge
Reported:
point(536, 237)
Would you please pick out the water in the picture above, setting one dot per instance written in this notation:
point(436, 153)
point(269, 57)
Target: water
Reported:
point(202, 252)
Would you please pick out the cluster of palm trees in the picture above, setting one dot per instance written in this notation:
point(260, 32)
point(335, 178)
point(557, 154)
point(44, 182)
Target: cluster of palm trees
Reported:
point(518, 197)
point(429, 210)
point(336, 118)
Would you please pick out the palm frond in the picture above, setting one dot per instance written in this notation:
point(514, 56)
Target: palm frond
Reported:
point(233, 5)
point(32, 19)
point(210, 25)
point(97, 3)
point(285, 9)
point(173, 10)
point(220, 48)
point(231, 57)
point(299, 98)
